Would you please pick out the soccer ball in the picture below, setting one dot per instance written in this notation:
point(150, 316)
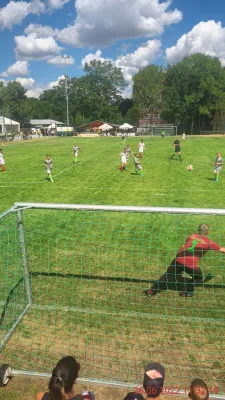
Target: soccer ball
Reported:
point(190, 168)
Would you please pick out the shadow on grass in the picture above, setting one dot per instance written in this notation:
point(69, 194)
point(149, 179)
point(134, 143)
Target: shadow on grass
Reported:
point(177, 287)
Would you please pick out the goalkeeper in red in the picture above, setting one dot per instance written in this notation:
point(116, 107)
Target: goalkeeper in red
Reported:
point(186, 260)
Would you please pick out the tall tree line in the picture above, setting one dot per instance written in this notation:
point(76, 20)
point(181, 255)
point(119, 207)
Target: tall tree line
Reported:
point(187, 94)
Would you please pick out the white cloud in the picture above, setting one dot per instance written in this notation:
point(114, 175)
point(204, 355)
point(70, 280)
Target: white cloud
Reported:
point(41, 31)
point(20, 68)
point(35, 92)
point(140, 58)
point(206, 37)
point(32, 47)
point(57, 4)
point(53, 84)
point(28, 83)
point(16, 11)
point(91, 56)
point(130, 63)
point(102, 22)
point(60, 62)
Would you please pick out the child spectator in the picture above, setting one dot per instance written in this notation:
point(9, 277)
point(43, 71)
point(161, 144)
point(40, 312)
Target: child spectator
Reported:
point(61, 385)
point(154, 380)
point(198, 390)
point(153, 383)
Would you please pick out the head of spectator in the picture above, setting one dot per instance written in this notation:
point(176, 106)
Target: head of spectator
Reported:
point(133, 396)
point(153, 380)
point(63, 378)
point(199, 390)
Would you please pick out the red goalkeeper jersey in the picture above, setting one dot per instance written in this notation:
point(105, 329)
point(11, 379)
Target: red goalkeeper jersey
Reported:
point(194, 248)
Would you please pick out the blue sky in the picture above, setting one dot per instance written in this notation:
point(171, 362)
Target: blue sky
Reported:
point(132, 33)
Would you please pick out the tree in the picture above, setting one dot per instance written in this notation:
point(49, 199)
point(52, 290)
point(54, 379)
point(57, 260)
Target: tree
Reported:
point(125, 106)
point(194, 90)
point(104, 83)
point(147, 90)
point(12, 96)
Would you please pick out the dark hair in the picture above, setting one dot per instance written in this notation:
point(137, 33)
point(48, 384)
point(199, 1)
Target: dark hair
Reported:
point(199, 390)
point(153, 387)
point(63, 377)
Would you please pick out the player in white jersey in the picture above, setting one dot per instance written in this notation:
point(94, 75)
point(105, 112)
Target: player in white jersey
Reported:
point(138, 167)
point(128, 151)
point(2, 161)
point(218, 166)
point(76, 153)
point(48, 166)
point(141, 148)
point(123, 160)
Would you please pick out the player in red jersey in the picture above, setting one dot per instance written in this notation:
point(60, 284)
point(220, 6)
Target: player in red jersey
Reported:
point(186, 260)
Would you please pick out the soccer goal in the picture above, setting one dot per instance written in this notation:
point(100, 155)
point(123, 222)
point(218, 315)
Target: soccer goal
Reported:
point(72, 280)
point(169, 129)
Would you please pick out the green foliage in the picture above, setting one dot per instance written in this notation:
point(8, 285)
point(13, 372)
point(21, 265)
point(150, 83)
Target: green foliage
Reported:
point(194, 90)
point(96, 95)
point(148, 88)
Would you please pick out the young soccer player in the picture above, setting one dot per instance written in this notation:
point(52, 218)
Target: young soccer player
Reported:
point(2, 161)
point(163, 134)
point(76, 153)
point(141, 148)
point(128, 151)
point(176, 144)
point(218, 166)
point(138, 167)
point(183, 136)
point(186, 260)
point(48, 166)
point(123, 138)
point(123, 160)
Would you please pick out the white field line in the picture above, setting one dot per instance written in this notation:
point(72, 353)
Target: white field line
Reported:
point(87, 159)
point(54, 175)
point(114, 189)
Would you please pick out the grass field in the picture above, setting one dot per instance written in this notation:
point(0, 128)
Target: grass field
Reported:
point(97, 179)
point(88, 269)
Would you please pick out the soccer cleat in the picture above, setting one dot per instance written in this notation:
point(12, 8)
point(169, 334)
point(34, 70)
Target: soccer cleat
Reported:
point(148, 293)
point(185, 294)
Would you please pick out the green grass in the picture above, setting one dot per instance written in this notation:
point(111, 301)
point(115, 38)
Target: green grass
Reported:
point(97, 179)
point(94, 307)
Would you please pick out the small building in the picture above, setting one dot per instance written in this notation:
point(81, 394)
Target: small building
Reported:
point(92, 126)
point(44, 123)
point(218, 122)
point(7, 125)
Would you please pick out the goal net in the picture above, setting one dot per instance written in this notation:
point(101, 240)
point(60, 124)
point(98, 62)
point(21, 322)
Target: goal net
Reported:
point(72, 280)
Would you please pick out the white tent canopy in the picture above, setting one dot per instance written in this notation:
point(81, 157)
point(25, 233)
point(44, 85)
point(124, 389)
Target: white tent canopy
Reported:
point(105, 127)
point(126, 126)
point(52, 126)
point(8, 125)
